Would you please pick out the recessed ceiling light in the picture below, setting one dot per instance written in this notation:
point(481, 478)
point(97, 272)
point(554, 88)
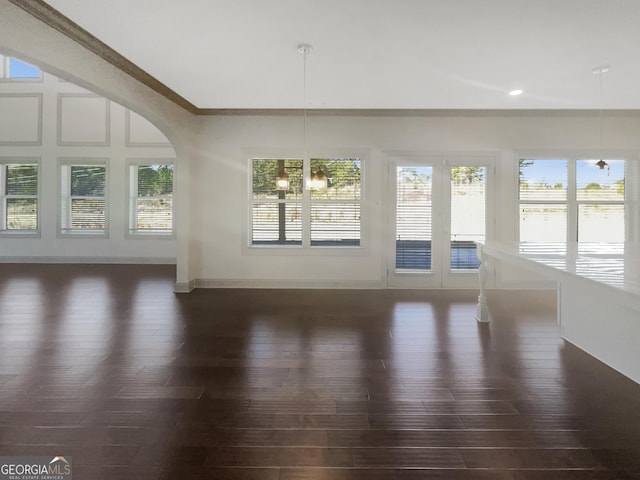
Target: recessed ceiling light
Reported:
point(515, 93)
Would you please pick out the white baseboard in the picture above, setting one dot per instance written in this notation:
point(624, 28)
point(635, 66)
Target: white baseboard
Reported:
point(280, 283)
point(328, 284)
point(184, 287)
point(114, 260)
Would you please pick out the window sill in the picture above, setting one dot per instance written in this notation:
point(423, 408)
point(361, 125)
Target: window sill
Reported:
point(83, 234)
point(19, 234)
point(151, 235)
point(299, 250)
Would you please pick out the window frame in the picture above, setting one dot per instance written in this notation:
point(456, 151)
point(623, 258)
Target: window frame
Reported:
point(571, 202)
point(9, 233)
point(305, 248)
point(64, 232)
point(131, 232)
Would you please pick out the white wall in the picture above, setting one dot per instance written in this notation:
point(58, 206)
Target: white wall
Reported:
point(231, 140)
point(50, 119)
point(211, 163)
point(23, 36)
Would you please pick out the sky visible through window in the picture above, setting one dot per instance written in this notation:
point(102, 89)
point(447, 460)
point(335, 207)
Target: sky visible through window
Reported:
point(20, 69)
point(552, 172)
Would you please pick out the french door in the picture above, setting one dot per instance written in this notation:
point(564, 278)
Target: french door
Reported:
point(438, 210)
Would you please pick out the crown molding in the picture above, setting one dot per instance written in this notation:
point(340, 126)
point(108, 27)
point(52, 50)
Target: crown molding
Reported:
point(416, 112)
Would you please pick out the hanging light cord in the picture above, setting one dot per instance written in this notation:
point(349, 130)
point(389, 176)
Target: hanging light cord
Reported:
point(304, 49)
point(601, 107)
point(600, 71)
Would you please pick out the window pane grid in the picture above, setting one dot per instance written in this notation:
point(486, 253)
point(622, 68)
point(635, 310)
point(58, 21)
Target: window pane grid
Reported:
point(21, 180)
point(15, 69)
point(318, 216)
point(600, 185)
point(543, 180)
point(335, 224)
point(19, 199)
point(155, 180)
point(413, 218)
point(543, 223)
point(467, 215)
point(20, 69)
point(276, 224)
point(265, 172)
point(543, 193)
point(154, 213)
point(87, 213)
point(87, 181)
point(21, 213)
point(594, 212)
point(601, 223)
point(152, 199)
point(343, 178)
point(83, 200)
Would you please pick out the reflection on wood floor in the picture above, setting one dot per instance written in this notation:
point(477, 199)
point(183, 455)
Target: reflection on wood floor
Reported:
point(106, 365)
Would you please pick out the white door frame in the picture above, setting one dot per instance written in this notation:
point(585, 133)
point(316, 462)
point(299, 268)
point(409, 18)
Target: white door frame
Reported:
point(440, 275)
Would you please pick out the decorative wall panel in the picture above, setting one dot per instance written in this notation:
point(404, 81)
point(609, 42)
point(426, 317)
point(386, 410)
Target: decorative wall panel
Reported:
point(141, 132)
point(20, 119)
point(83, 119)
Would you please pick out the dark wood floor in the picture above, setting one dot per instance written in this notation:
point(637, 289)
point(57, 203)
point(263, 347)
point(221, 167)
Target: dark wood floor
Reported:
point(107, 365)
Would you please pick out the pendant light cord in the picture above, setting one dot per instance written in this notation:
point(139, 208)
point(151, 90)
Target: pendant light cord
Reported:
point(601, 107)
point(600, 71)
point(304, 99)
point(304, 49)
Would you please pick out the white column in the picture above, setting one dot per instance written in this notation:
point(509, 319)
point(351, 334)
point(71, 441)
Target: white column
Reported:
point(482, 310)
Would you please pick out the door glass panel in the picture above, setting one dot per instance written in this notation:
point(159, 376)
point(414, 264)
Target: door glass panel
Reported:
point(467, 215)
point(413, 218)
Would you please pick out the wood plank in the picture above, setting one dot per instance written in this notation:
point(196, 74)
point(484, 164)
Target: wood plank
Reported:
point(105, 364)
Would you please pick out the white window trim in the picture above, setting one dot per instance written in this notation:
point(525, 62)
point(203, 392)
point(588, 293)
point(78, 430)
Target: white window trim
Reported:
point(19, 233)
point(130, 213)
point(306, 249)
point(73, 161)
point(571, 202)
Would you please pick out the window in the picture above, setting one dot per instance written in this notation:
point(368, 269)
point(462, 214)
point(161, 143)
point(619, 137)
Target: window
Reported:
point(324, 211)
point(571, 200)
point(335, 209)
point(420, 224)
point(276, 215)
point(543, 200)
point(414, 185)
point(151, 198)
point(14, 69)
point(600, 201)
point(468, 215)
point(83, 200)
point(19, 192)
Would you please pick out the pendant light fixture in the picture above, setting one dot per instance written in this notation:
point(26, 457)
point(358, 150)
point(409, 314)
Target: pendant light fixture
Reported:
point(600, 71)
point(318, 180)
point(282, 181)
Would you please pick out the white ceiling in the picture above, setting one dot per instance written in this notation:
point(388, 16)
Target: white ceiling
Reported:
point(378, 54)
